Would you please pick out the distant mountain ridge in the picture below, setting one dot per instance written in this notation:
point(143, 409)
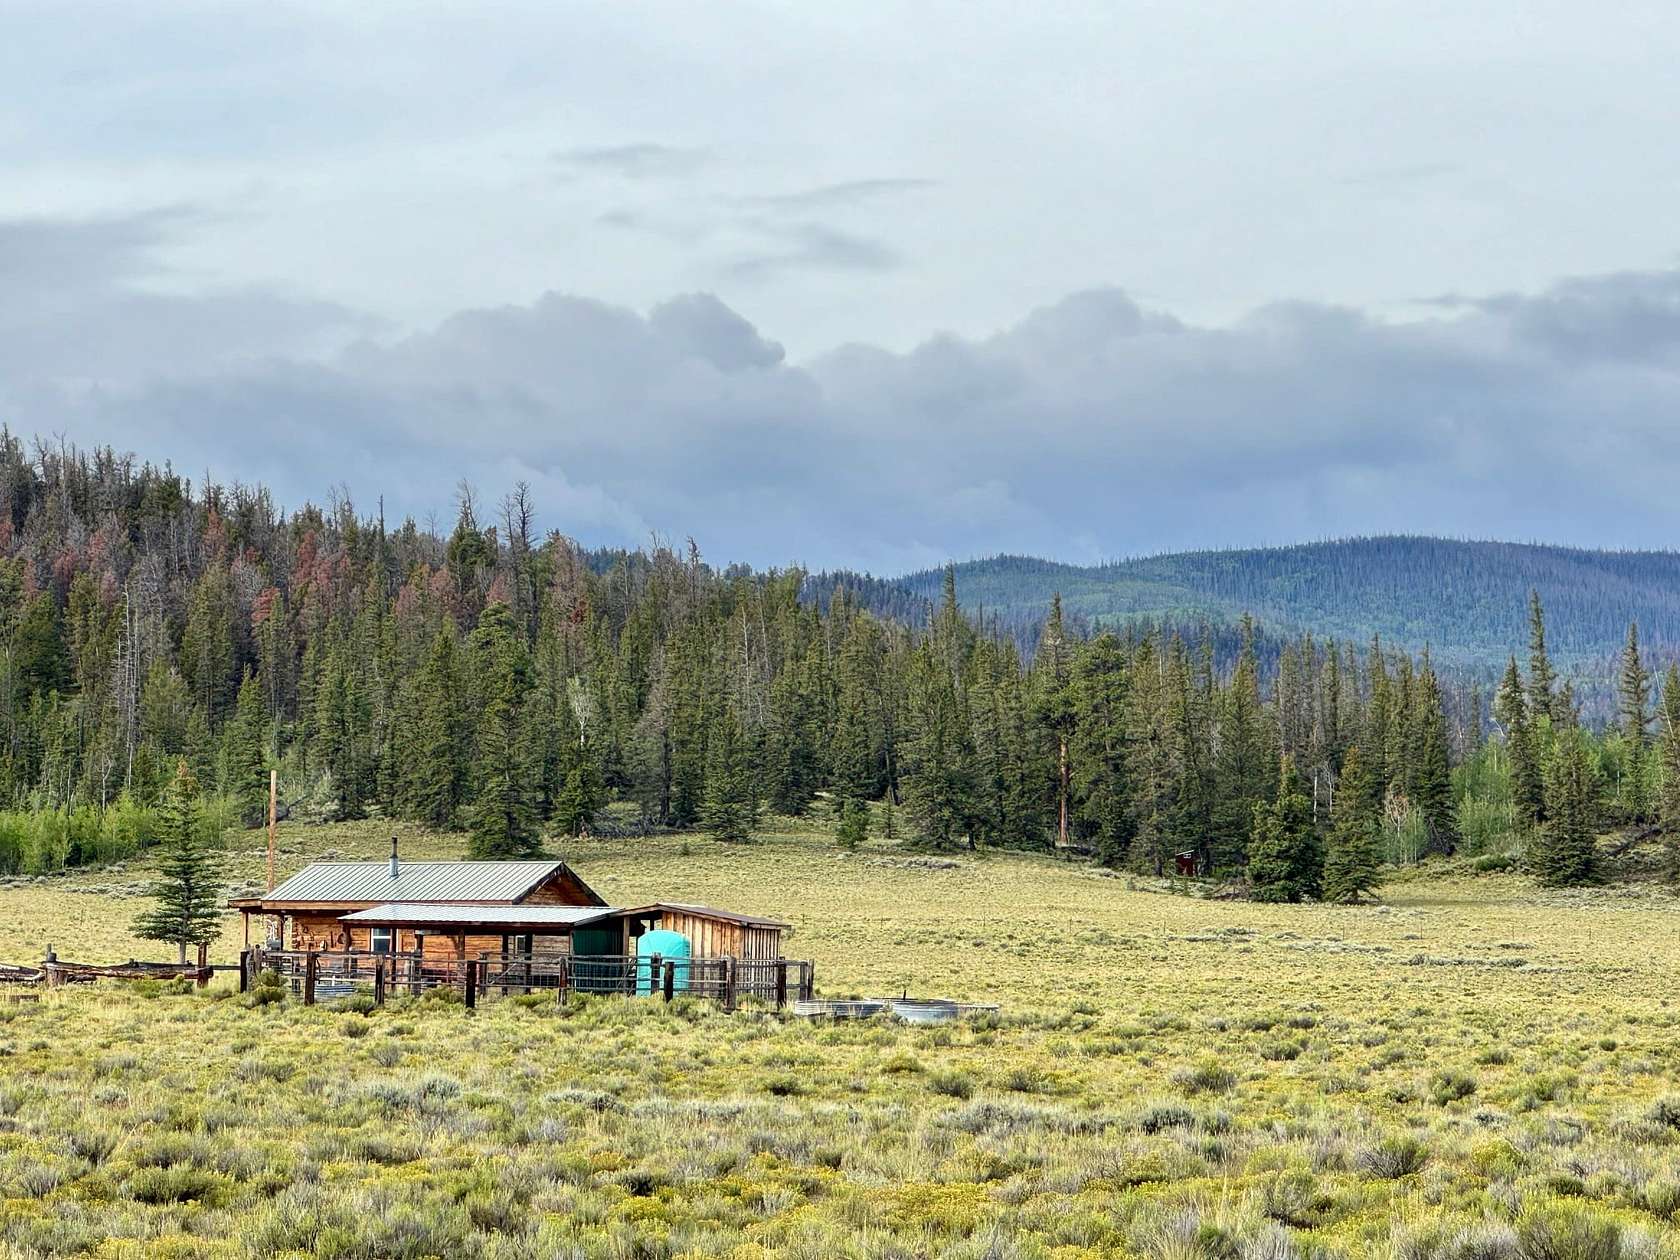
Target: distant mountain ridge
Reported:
point(1466, 600)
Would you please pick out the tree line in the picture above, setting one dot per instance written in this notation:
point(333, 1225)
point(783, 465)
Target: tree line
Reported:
point(514, 685)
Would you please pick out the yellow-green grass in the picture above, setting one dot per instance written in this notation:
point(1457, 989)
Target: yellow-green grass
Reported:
point(1474, 1068)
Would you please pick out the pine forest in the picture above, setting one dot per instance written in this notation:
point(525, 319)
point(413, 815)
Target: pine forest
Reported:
point(518, 687)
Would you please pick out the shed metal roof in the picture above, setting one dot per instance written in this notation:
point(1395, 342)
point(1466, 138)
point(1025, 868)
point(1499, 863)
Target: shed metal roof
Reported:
point(512, 916)
point(707, 912)
point(415, 881)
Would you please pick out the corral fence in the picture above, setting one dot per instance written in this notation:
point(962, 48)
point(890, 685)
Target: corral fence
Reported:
point(21, 982)
point(315, 975)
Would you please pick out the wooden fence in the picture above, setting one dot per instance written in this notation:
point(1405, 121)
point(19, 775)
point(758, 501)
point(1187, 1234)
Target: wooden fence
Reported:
point(321, 975)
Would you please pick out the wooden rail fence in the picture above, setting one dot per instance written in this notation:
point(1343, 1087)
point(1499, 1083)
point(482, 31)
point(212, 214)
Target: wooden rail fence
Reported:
point(320, 974)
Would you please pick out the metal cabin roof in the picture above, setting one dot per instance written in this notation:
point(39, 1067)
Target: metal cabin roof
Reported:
point(420, 912)
point(415, 882)
point(707, 912)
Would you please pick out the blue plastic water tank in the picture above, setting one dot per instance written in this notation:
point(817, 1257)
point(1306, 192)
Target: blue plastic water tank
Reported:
point(670, 946)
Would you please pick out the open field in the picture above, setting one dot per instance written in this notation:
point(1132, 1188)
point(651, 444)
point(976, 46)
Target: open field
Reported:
point(1473, 1069)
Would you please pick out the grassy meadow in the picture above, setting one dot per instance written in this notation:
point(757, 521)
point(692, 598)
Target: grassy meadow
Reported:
point(1473, 1069)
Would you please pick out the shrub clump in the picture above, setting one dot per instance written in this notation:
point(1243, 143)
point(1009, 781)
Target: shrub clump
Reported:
point(1209, 1076)
point(1164, 1116)
point(1554, 1233)
point(1665, 1111)
point(951, 1084)
point(1450, 1086)
point(1393, 1157)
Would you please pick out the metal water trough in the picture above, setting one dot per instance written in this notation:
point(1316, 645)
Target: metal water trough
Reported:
point(925, 1010)
point(828, 1008)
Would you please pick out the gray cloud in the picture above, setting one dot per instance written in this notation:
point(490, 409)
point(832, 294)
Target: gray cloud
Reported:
point(810, 246)
point(711, 331)
point(1093, 426)
point(1629, 315)
point(47, 261)
point(78, 306)
point(831, 196)
point(636, 161)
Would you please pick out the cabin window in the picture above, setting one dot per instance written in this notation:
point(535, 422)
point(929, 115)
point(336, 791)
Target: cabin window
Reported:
point(380, 941)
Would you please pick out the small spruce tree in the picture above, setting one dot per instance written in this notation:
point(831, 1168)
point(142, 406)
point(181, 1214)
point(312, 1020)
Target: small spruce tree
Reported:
point(853, 828)
point(729, 806)
point(244, 775)
point(1565, 852)
point(1542, 703)
point(1351, 867)
point(1511, 711)
point(188, 891)
point(503, 818)
point(436, 745)
point(1285, 859)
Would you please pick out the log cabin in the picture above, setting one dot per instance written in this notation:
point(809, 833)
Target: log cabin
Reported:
point(471, 909)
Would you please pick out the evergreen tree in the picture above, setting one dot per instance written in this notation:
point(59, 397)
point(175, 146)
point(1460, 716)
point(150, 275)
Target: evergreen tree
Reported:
point(345, 718)
point(436, 747)
point(1056, 705)
point(792, 742)
point(1190, 703)
point(1152, 762)
point(582, 791)
point(207, 645)
point(852, 753)
point(244, 777)
point(1565, 852)
point(1247, 758)
point(1633, 692)
point(1098, 754)
point(1374, 737)
point(1351, 864)
point(1285, 859)
point(730, 811)
point(1431, 776)
point(938, 772)
point(853, 827)
point(503, 816)
point(1541, 678)
point(1669, 751)
point(1527, 785)
point(188, 891)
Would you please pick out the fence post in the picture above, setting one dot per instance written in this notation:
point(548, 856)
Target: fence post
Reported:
point(244, 970)
point(311, 967)
point(203, 963)
point(379, 982)
point(728, 984)
point(472, 983)
point(565, 986)
point(670, 980)
point(807, 981)
point(653, 975)
point(781, 983)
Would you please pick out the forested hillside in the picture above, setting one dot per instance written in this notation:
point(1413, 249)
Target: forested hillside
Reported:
point(1464, 600)
point(514, 685)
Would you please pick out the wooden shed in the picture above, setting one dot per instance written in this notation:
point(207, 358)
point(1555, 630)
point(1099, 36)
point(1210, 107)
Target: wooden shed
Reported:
point(711, 932)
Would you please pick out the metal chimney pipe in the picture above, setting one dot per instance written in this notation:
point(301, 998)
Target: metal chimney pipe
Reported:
point(393, 857)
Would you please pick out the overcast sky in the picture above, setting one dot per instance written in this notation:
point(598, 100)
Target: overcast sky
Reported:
point(865, 284)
